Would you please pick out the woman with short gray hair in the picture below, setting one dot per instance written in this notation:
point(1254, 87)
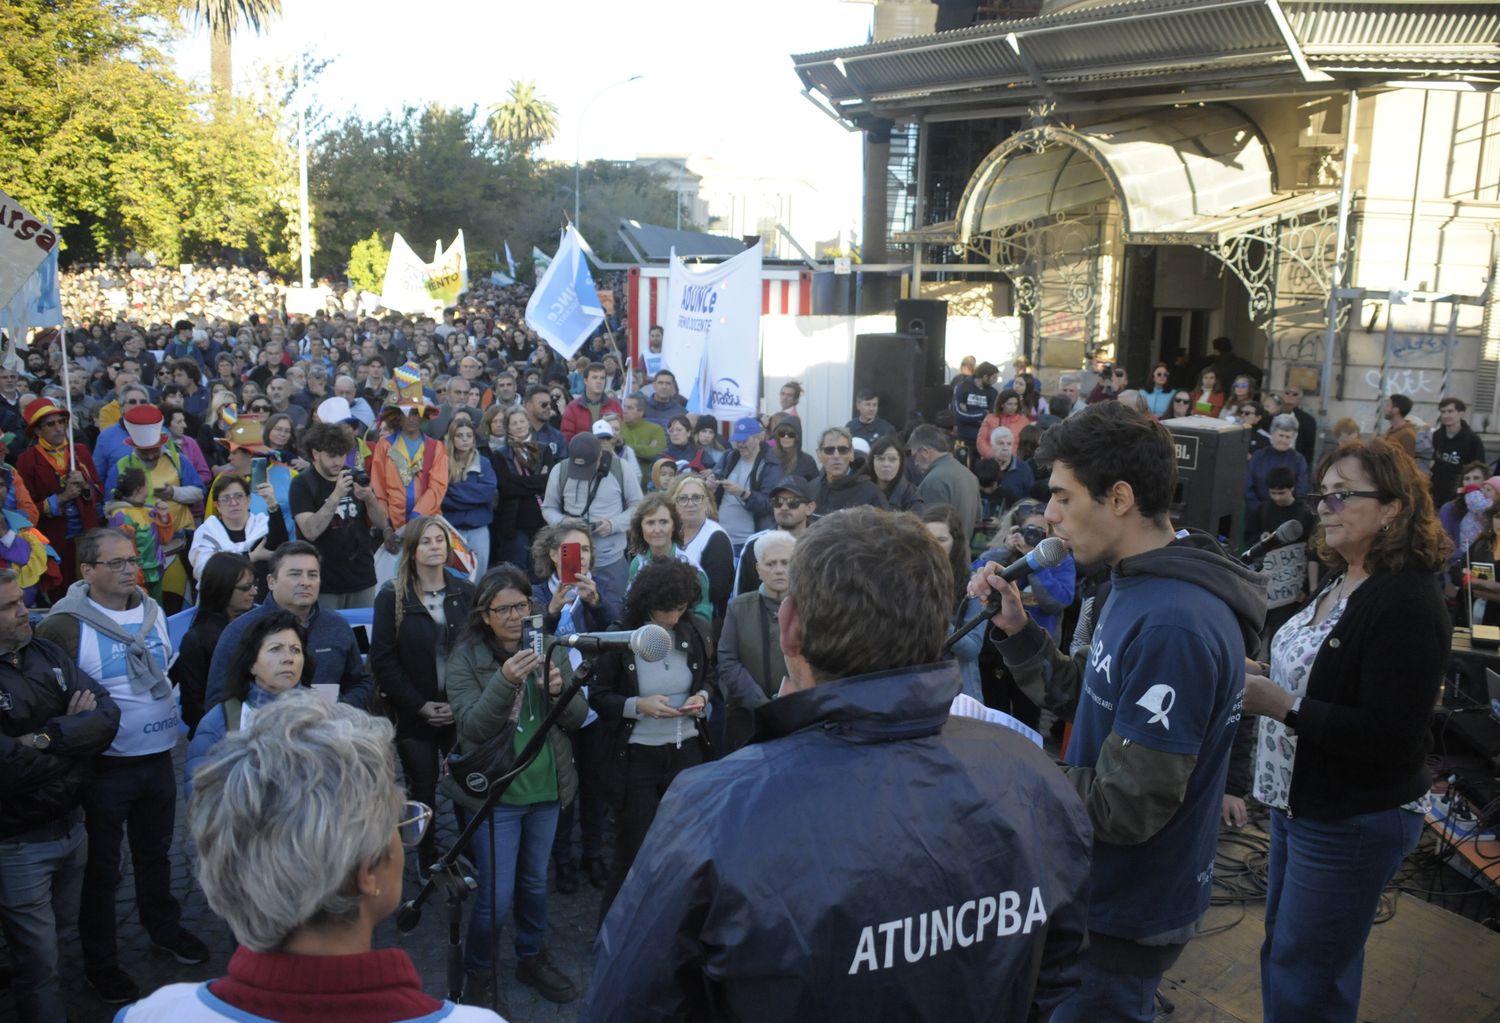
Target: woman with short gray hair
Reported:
point(1282, 452)
point(300, 828)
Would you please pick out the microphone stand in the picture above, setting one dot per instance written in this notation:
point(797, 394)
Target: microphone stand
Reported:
point(986, 612)
point(445, 875)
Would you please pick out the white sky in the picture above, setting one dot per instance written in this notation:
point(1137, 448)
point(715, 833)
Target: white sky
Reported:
point(718, 78)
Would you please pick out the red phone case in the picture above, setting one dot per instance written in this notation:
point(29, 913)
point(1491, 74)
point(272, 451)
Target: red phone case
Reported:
point(572, 562)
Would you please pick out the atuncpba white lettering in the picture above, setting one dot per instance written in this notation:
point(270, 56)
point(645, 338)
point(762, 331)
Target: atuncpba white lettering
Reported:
point(912, 939)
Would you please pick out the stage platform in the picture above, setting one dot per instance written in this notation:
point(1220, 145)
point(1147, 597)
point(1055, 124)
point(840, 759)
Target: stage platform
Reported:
point(1423, 964)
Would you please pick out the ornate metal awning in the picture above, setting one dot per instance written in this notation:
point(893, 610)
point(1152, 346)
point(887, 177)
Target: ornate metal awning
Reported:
point(1167, 168)
point(1200, 176)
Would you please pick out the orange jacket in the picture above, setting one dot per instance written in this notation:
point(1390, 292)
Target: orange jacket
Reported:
point(431, 480)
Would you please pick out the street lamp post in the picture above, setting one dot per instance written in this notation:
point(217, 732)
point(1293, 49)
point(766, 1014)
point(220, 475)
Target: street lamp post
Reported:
point(578, 143)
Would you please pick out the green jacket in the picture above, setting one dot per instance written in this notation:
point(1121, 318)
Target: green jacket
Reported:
point(481, 700)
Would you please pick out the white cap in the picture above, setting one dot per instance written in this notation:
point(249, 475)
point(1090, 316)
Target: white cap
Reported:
point(603, 429)
point(334, 410)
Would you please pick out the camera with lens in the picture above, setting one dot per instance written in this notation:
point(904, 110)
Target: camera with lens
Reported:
point(359, 476)
point(1033, 535)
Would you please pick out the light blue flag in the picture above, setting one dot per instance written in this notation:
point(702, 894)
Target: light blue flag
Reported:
point(510, 261)
point(564, 309)
point(37, 304)
point(540, 260)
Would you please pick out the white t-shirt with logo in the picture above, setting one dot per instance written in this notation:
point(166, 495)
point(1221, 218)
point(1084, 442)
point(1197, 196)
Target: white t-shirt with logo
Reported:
point(147, 724)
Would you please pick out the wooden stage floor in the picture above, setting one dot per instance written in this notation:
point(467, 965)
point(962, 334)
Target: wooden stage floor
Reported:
point(1424, 964)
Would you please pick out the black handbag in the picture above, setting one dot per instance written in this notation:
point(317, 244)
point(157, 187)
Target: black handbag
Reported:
point(477, 769)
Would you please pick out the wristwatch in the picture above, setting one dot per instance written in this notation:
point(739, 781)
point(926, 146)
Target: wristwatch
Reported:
point(1291, 716)
point(41, 741)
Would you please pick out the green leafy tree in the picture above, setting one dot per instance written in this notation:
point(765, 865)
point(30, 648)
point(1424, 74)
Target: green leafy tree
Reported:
point(367, 263)
point(99, 134)
point(223, 18)
point(525, 120)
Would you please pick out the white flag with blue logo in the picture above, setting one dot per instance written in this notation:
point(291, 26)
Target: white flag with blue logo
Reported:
point(510, 261)
point(711, 334)
point(564, 309)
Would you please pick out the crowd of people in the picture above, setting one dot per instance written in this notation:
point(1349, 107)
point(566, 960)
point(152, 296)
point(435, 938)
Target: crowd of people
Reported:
point(186, 449)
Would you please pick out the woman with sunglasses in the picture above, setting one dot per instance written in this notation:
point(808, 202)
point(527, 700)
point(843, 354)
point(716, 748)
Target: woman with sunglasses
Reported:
point(307, 790)
point(837, 487)
point(1253, 418)
point(1182, 405)
point(493, 673)
point(1345, 709)
point(786, 445)
point(1240, 392)
point(705, 543)
point(1158, 398)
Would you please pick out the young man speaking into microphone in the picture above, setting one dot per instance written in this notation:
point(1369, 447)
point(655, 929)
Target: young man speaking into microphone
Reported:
point(1161, 687)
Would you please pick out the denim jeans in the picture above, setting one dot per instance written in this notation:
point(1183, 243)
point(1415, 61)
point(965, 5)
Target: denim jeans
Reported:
point(39, 887)
point(134, 796)
point(478, 540)
point(1324, 880)
point(521, 837)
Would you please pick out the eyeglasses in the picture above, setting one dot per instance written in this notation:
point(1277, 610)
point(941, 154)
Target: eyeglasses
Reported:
point(511, 610)
point(259, 408)
point(247, 588)
point(1336, 499)
point(133, 402)
point(784, 434)
point(413, 822)
point(116, 564)
point(787, 502)
point(691, 499)
point(836, 449)
point(238, 497)
point(1181, 401)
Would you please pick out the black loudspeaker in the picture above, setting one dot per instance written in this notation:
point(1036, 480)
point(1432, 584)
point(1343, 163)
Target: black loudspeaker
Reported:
point(927, 318)
point(1211, 460)
point(891, 366)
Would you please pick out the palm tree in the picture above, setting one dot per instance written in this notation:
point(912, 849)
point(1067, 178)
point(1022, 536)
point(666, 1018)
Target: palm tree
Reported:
point(526, 119)
point(224, 18)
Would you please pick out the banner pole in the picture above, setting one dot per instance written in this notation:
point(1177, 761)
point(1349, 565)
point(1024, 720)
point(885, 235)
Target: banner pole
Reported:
point(62, 344)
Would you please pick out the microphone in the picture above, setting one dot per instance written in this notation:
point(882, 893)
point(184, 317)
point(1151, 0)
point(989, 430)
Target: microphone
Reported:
point(1050, 553)
point(1289, 531)
point(650, 642)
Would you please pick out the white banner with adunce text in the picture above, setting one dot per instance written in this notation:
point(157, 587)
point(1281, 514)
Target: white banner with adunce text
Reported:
point(711, 334)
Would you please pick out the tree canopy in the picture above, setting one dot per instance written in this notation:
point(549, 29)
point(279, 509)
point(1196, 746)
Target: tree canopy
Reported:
point(99, 134)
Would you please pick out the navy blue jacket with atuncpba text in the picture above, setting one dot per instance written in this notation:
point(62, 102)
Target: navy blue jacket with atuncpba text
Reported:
point(867, 857)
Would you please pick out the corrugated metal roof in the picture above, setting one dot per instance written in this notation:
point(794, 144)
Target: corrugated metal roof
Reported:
point(1449, 31)
point(1086, 49)
point(1122, 35)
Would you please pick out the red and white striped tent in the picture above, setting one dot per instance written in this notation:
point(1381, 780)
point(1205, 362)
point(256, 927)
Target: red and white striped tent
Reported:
point(784, 291)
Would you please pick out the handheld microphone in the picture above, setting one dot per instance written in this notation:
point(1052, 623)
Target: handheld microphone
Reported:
point(650, 642)
point(1289, 531)
point(1050, 553)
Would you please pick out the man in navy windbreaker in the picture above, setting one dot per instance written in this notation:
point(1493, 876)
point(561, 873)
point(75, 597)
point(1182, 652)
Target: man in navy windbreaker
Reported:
point(867, 856)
